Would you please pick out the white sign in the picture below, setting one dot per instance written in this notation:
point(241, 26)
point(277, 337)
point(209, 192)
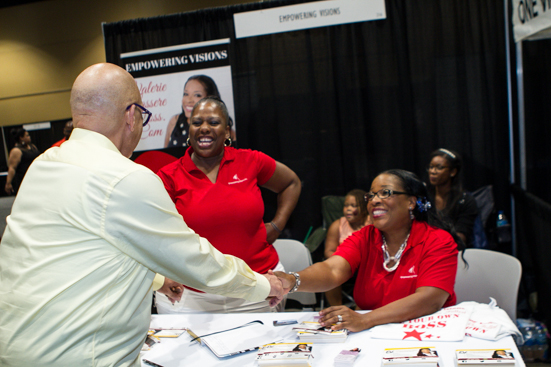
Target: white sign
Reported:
point(37, 126)
point(531, 19)
point(305, 16)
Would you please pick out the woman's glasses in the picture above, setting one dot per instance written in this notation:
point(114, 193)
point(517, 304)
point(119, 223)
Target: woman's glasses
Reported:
point(383, 194)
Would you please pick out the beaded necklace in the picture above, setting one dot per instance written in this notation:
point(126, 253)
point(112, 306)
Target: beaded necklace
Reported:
point(396, 258)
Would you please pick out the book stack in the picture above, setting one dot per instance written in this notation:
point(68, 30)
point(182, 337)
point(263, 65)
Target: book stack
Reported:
point(313, 332)
point(477, 357)
point(346, 358)
point(285, 354)
point(411, 357)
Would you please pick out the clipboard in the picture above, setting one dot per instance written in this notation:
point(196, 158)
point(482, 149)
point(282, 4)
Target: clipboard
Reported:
point(235, 340)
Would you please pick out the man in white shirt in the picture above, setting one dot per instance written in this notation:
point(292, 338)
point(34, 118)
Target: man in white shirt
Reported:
point(87, 233)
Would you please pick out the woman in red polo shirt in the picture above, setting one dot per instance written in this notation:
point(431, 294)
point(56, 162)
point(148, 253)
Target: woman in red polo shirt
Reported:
point(406, 261)
point(216, 188)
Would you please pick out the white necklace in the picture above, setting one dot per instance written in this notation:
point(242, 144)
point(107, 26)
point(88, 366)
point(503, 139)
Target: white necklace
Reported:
point(396, 258)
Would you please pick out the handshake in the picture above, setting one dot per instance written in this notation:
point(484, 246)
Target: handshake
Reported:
point(280, 283)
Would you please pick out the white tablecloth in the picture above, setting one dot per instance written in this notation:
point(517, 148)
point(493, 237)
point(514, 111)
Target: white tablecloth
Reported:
point(172, 352)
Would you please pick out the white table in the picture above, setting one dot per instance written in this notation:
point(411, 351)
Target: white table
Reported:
point(172, 352)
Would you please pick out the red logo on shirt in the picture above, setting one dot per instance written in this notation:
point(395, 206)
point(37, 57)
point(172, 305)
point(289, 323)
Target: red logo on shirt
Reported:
point(412, 272)
point(236, 180)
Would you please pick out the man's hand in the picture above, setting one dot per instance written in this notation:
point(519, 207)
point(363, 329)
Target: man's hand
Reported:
point(173, 290)
point(276, 289)
point(287, 280)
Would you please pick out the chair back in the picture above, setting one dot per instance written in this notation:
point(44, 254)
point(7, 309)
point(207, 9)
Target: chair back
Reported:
point(294, 256)
point(489, 274)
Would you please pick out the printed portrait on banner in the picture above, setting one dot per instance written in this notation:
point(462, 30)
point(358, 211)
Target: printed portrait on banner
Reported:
point(171, 80)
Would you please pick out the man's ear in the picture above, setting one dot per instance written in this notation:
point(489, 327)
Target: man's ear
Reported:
point(130, 118)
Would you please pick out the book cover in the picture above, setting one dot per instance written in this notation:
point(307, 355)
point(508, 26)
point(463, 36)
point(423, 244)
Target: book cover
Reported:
point(285, 354)
point(418, 356)
point(476, 357)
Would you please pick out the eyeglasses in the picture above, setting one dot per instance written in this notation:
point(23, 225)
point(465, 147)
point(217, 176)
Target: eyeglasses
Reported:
point(383, 194)
point(146, 114)
point(438, 168)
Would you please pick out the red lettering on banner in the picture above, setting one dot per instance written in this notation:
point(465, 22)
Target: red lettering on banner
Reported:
point(151, 88)
point(156, 132)
point(442, 323)
point(155, 103)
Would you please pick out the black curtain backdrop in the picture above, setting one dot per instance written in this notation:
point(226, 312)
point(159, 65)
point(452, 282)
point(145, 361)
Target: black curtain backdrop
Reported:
point(340, 104)
point(537, 86)
point(533, 216)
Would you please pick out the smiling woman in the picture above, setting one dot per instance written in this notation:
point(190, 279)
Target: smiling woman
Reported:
point(216, 189)
point(405, 262)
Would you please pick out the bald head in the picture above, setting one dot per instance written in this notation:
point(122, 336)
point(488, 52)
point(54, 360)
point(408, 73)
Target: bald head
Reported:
point(100, 95)
point(99, 98)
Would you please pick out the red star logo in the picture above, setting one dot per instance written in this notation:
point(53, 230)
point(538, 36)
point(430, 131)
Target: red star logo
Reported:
point(413, 334)
point(428, 336)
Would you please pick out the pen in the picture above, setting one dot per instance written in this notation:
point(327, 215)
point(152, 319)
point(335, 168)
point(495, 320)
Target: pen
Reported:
point(151, 363)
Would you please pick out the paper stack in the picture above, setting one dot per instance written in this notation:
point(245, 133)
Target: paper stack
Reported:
point(346, 358)
point(477, 357)
point(313, 332)
point(411, 357)
point(285, 354)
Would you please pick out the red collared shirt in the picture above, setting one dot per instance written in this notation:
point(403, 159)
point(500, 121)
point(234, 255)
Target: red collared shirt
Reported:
point(429, 259)
point(229, 213)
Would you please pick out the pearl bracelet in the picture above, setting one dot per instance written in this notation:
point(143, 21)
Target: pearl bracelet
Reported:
point(297, 282)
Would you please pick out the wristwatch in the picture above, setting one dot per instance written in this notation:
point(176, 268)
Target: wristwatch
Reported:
point(297, 282)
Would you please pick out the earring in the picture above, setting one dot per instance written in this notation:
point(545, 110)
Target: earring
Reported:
point(187, 142)
point(411, 216)
point(226, 143)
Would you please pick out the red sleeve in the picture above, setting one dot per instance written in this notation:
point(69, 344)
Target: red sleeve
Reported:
point(166, 174)
point(266, 167)
point(351, 248)
point(439, 262)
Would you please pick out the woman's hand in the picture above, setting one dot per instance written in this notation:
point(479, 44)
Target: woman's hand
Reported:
point(288, 281)
point(8, 188)
point(350, 319)
point(271, 233)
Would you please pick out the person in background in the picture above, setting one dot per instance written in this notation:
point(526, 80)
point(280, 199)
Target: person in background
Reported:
point(355, 217)
point(67, 129)
point(216, 189)
point(406, 261)
point(86, 235)
point(20, 158)
point(446, 192)
point(196, 88)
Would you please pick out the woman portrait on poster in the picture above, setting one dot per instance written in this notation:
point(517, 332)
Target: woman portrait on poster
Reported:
point(196, 88)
